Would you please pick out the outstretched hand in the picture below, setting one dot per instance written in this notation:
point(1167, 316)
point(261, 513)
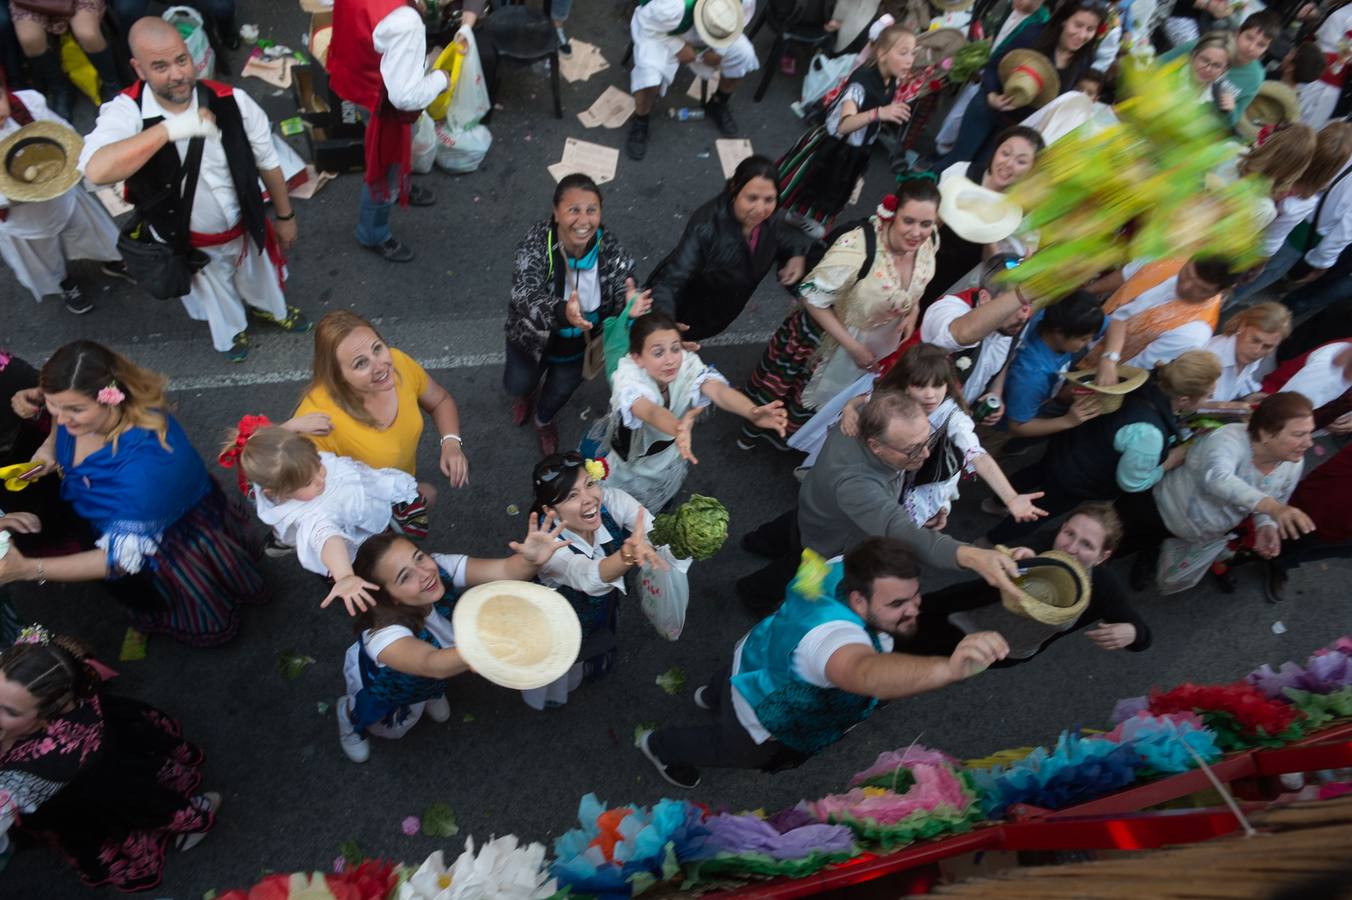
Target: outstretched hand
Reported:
point(353, 590)
point(539, 544)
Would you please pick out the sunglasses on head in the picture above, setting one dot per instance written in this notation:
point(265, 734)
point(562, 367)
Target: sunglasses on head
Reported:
point(570, 460)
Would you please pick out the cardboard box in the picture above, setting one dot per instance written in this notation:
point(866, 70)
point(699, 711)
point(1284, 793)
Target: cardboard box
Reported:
point(334, 129)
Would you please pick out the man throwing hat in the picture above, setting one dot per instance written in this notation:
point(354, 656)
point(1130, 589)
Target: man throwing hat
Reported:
point(143, 137)
point(704, 34)
point(817, 667)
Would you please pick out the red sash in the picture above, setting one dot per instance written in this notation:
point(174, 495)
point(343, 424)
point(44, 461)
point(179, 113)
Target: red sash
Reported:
point(270, 245)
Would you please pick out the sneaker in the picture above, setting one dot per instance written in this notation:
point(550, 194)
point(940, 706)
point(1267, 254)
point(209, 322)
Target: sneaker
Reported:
point(702, 697)
point(295, 322)
point(276, 549)
point(239, 350)
point(680, 776)
point(74, 298)
point(208, 802)
point(548, 436)
point(438, 710)
point(718, 112)
point(636, 145)
point(565, 47)
point(421, 196)
point(521, 409)
point(356, 747)
point(117, 269)
point(391, 251)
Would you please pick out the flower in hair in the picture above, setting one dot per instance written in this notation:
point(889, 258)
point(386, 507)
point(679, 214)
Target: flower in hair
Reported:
point(245, 430)
point(887, 209)
point(34, 634)
point(111, 395)
point(597, 469)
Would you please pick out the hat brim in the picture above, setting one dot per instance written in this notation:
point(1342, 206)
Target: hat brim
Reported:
point(935, 46)
point(35, 192)
point(1277, 93)
point(516, 634)
point(1025, 636)
point(1129, 379)
point(955, 192)
point(717, 43)
point(1051, 81)
point(1049, 576)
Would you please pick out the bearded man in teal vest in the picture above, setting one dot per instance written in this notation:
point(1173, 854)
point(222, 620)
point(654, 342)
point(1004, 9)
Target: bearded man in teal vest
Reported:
point(817, 667)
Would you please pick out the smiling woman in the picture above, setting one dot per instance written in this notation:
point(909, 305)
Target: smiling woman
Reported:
point(367, 399)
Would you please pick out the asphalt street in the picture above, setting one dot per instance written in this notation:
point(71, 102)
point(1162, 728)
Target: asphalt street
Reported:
point(290, 796)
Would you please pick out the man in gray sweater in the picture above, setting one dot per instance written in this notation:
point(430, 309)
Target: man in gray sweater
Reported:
point(853, 493)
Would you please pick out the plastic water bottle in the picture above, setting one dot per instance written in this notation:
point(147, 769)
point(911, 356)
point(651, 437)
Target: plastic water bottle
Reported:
point(686, 114)
point(985, 408)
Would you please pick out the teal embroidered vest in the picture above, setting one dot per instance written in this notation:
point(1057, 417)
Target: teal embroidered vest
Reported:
point(799, 715)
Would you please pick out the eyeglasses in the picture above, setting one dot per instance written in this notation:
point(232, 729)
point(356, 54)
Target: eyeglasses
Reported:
point(570, 460)
point(915, 451)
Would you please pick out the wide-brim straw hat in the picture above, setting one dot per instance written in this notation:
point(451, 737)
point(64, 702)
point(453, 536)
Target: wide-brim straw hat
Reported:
point(1129, 378)
point(1051, 595)
point(516, 634)
point(937, 45)
point(1274, 104)
point(39, 162)
point(719, 22)
point(1029, 77)
point(975, 213)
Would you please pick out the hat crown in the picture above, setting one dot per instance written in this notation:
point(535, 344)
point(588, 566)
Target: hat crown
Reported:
point(721, 18)
point(36, 161)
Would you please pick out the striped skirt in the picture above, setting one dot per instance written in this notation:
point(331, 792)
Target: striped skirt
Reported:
point(786, 367)
point(817, 176)
point(206, 568)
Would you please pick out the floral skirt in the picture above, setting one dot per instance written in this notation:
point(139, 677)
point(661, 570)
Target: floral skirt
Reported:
point(206, 568)
point(57, 24)
point(116, 819)
point(786, 367)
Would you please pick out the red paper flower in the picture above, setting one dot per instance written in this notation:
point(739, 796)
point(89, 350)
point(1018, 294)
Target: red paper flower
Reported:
point(1253, 712)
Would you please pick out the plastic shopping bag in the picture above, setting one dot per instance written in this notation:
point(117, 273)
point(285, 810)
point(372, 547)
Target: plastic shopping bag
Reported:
point(424, 144)
point(470, 101)
point(462, 151)
point(190, 24)
point(823, 73)
point(616, 338)
point(664, 595)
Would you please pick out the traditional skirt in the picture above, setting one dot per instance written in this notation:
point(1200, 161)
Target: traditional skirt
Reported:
point(786, 367)
point(192, 589)
point(817, 176)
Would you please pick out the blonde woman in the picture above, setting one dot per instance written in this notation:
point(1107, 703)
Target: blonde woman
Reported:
point(169, 544)
point(1245, 348)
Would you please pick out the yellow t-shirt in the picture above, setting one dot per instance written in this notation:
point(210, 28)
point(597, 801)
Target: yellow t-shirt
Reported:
point(394, 448)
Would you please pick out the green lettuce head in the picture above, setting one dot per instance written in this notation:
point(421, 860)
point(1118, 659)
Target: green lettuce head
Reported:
point(696, 530)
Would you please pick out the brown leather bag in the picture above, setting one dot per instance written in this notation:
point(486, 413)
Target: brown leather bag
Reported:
point(57, 9)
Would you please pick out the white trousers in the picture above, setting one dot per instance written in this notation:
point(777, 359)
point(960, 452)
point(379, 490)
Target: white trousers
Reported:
point(220, 290)
point(83, 230)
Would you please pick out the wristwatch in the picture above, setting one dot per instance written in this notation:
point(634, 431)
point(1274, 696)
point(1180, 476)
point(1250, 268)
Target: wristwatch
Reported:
point(1113, 356)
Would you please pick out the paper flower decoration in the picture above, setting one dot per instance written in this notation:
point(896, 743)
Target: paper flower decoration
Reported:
point(1240, 714)
point(597, 469)
point(621, 852)
point(938, 801)
point(1320, 709)
point(890, 770)
point(811, 575)
point(1076, 770)
point(1162, 742)
point(1325, 671)
point(501, 870)
point(110, 395)
point(750, 845)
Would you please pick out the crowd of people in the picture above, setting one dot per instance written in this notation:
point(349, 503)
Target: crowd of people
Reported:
point(1182, 412)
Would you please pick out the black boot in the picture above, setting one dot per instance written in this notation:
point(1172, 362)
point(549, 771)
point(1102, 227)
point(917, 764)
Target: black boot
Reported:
point(227, 33)
point(718, 112)
point(49, 79)
point(109, 81)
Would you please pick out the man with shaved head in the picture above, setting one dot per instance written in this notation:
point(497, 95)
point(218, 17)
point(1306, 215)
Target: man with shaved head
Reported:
point(152, 136)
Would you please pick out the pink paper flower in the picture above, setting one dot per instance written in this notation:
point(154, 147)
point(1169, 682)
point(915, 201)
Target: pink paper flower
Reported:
point(412, 825)
point(110, 395)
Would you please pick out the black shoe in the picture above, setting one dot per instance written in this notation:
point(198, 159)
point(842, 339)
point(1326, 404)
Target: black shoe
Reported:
point(1225, 578)
point(681, 776)
point(391, 251)
point(565, 45)
point(421, 196)
point(636, 145)
point(76, 302)
point(717, 111)
point(117, 269)
point(1274, 584)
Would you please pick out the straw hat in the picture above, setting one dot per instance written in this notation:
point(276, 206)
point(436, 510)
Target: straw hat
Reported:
point(937, 45)
point(1110, 398)
point(516, 634)
point(448, 61)
point(975, 213)
point(1029, 78)
point(38, 162)
point(1274, 104)
point(719, 22)
point(1063, 115)
point(1051, 596)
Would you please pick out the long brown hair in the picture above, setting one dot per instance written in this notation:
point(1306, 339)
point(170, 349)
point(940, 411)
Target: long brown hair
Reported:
point(925, 365)
point(87, 368)
point(1282, 158)
point(331, 331)
point(1332, 149)
point(386, 611)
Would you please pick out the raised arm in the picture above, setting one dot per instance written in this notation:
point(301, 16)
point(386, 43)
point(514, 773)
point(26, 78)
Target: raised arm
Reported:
point(415, 657)
point(860, 669)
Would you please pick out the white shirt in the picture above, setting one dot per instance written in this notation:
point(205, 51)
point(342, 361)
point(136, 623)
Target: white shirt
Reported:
point(1335, 221)
point(1290, 212)
point(354, 506)
point(377, 641)
point(1236, 383)
point(579, 566)
point(215, 205)
point(937, 328)
point(1321, 379)
point(1169, 345)
point(809, 663)
point(401, 40)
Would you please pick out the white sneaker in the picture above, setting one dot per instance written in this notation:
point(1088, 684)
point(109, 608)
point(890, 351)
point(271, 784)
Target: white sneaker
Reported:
point(357, 748)
point(206, 802)
point(439, 709)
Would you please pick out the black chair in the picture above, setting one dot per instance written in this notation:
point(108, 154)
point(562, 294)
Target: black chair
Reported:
point(814, 37)
point(525, 36)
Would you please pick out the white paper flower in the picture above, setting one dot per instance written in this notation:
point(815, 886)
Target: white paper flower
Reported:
point(963, 363)
point(432, 881)
point(503, 870)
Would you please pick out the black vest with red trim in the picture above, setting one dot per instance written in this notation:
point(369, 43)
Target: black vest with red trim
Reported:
point(154, 190)
point(972, 354)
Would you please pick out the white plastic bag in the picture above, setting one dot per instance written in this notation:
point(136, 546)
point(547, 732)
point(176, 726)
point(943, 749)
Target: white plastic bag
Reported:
point(469, 102)
point(664, 595)
point(186, 19)
point(459, 152)
point(823, 73)
point(424, 144)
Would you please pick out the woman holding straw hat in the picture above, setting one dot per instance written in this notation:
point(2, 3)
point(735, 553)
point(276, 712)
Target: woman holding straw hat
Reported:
point(1127, 450)
point(1034, 67)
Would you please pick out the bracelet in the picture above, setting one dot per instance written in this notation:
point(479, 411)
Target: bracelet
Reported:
point(876, 110)
point(281, 218)
point(452, 437)
point(41, 573)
